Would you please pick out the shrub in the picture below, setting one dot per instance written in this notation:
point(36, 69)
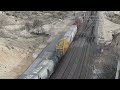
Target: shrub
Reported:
point(28, 26)
point(37, 23)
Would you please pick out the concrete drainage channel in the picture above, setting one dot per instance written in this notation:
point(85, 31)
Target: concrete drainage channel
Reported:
point(47, 60)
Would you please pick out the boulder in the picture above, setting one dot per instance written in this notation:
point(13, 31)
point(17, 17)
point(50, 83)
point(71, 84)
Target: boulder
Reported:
point(46, 28)
point(37, 30)
point(106, 28)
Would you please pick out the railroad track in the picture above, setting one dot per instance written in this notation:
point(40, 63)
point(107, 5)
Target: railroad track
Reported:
point(76, 63)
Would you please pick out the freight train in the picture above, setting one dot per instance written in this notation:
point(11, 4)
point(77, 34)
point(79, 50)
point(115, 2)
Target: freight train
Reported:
point(47, 66)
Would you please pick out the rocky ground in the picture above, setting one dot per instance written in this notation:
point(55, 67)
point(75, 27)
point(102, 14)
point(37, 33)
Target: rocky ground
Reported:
point(108, 37)
point(23, 34)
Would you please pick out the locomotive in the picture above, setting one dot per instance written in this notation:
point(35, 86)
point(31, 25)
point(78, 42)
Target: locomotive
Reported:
point(45, 68)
